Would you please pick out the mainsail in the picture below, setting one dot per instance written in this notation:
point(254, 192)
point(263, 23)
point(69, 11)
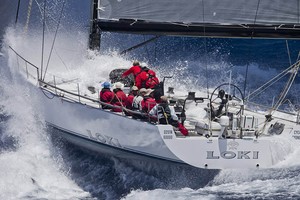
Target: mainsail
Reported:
point(216, 18)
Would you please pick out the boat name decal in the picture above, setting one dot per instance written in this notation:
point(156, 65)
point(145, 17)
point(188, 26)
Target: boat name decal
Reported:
point(104, 139)
point(232, 155)
point(168, 134)
point(296, 135)
point(232, 145)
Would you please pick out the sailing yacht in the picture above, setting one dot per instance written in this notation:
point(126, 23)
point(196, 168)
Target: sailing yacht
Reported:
point(226, 133)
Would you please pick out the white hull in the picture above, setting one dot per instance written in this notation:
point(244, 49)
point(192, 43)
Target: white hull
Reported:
point(218, 153)
point(236, 138)
point(102, 130)
point(117, 135)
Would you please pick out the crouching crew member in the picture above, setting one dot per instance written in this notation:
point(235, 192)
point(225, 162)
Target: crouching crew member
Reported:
point(106, 95)
point(146, 78)
point(132, 94)
point(120, 97)
point(148, 102)
point(166, 115)
point(137, 100)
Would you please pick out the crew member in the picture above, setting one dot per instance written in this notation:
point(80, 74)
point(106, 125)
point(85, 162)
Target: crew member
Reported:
point(222, 99)
point(147, 78)
point(135, 70)
point(120, 97)
point(166, 115)
point(148, 102)
point(133, 93)
point(106, 95)
point(136, 104)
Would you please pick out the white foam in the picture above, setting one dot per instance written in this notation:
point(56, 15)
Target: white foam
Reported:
point(33, 170)
point(160, 194)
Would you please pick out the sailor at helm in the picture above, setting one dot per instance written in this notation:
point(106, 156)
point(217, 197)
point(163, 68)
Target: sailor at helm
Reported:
point(221, 100)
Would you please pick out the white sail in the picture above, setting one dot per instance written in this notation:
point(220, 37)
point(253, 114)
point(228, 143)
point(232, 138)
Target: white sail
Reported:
point(215, 18)
point(203, 11)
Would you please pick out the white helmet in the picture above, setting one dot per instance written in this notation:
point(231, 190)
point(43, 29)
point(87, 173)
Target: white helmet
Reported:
point(119, 85)
point(143, 64)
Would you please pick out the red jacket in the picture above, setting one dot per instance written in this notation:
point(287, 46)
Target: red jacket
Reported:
point(135, 70)
point(129, 101)
point(119, 100)
point(106, 95)
point(148, 103)
point(146, 79)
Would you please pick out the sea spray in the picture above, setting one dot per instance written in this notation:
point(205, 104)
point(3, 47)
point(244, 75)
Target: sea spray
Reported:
point(32, 169)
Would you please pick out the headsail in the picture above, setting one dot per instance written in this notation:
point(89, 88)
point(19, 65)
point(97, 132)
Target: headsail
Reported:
point(226, 18)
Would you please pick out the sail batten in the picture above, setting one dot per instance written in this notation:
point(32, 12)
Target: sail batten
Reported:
point(266, 18)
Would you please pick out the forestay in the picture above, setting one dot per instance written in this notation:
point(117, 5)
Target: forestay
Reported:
point(258, 18)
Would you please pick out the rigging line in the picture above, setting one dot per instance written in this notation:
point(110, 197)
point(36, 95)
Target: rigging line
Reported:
point(262, 90)
point(49, 16)
point(140, 44)
point(54, 39)
point(47, 95)
point(146, 48)
point(255, 18)
point(283, 93)
point(206, 67)
point(47, 27)
point(205, 48)
point(28, 16)
point(288, 51)
point(287, 87)
point(298, 56)
point(272, 81)
point(298, 11)
point(264, 87)
point(247, 68)
point(17, 14)
point(60, 58)
point(246, 77)
point(43, 40)
point(155, 48)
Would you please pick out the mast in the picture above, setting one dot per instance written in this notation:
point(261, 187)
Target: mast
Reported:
point(95, 33)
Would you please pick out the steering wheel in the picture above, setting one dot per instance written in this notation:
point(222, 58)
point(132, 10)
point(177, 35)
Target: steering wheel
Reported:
point(228, 97)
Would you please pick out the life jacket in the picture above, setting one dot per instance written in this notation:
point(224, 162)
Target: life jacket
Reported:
point(136, 104)
point(164, 112)
point(146, 79)
point(152, 81)
point(165, 117)
point(129, 101)
point(138, 72)
point(119, 100)
point(106, 96)
point(148, 103)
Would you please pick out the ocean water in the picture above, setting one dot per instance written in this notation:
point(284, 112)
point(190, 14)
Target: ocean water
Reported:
point(35, 163)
